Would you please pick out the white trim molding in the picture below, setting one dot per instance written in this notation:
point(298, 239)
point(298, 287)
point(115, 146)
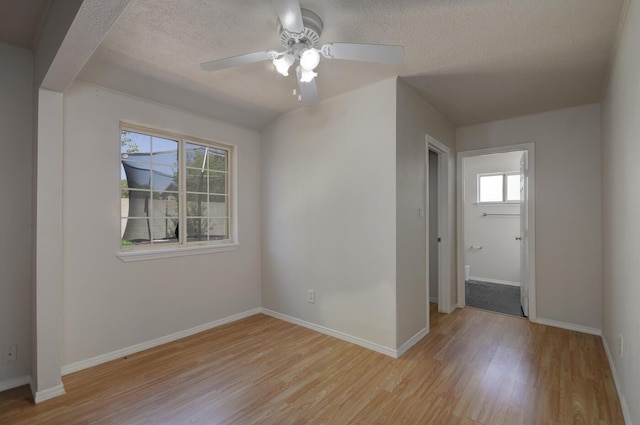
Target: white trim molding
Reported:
point(568, 326)
point(501, 282)
point(48, 394)
point(336, 334)
point(411, 342)
point(445, 229)
point(10, 383)
point(623, 401)
point(182, 251)
point(94, 361)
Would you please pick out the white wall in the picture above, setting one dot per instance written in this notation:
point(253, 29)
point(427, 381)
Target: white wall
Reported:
point(568, 206)
point(328, 211)
point(415, 119)
point(111, 305)
point(46, 372)
point(499, 258)
point(621, 209)
point(16, 124)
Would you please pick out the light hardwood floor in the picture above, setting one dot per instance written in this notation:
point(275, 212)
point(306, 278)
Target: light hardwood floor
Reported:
point(474, 367)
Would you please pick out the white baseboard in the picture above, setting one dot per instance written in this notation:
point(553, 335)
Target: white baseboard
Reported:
point(49, 393)
point(7, 384)
point(568, 326)
point(623, 401)
point(94, 361)
point(451, 309)
point(331, 332)
point(411, 342)
point(501, 282)
point(442, 308)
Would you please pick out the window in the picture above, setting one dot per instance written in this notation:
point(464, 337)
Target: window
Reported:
point(500, 187)
point(175, 191)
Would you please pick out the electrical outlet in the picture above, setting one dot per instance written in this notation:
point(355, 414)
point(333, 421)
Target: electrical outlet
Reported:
point(311, 296)
point(9, 354)
point(621, 345)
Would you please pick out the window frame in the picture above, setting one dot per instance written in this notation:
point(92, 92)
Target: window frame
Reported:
point(182, 247)
point(505, 175)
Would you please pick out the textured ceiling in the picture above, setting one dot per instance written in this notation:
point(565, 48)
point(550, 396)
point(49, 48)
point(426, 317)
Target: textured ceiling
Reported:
point(21, 21)
point(474, 60)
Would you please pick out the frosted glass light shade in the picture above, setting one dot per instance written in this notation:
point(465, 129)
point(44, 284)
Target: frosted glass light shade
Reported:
point(283, 63)
point(309, 59)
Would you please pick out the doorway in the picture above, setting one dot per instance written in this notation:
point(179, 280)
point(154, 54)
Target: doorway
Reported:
point(439, 200)
point(434, 253)
point(496, 230)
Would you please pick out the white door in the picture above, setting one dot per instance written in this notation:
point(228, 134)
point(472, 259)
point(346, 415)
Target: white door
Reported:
point(524, 234)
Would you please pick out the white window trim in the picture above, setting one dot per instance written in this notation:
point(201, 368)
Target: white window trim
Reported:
point(175, 251)
point(504, 189)
point(144, 252)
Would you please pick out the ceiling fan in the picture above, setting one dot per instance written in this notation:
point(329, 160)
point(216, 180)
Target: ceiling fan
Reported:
point(300, 31)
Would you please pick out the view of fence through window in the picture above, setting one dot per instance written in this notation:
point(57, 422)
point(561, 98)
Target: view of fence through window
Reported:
point(166, 198)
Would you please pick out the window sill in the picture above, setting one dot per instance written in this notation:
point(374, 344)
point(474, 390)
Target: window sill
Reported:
point(182, 251)
point(497, 204)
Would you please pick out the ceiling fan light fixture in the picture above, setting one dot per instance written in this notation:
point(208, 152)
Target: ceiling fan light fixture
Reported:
point(307, 75)
point(309, 59)
point(299, 32)
point(283, 63)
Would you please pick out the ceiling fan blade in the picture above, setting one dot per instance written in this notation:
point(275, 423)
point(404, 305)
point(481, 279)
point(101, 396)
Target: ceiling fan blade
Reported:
point(363, 52)
point(290, 15)
point(237, 60)
point(308, 91)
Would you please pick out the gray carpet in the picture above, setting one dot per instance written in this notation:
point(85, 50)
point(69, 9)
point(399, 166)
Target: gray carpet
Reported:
point(494, 297)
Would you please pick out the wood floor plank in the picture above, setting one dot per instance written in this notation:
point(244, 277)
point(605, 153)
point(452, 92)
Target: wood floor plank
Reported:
point(474, 367)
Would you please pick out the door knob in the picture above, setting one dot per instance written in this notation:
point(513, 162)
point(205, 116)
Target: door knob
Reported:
point(518, 238)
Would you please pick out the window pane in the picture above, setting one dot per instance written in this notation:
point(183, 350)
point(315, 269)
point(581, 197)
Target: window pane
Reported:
point(165, 204)
point(164, 230)
point(138, 205)
point(136, 232)
point(165, 151)
point(491, 188)
point(218, 159)
point(137, 174)
point(218, 206)
point(218, 229)
point(196, 229)
point(131, 142)
point(196, 180)
point(164, 178)
point(196, 205)
point(513, 187)
point(217, 182)
point(196, 156)
point(124, 186)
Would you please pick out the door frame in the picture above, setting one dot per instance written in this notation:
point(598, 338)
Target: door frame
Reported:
point(445, 200)
point(531, 240)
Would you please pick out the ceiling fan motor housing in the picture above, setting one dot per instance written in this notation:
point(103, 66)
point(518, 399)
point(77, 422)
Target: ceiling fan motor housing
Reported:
point(309, 36)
